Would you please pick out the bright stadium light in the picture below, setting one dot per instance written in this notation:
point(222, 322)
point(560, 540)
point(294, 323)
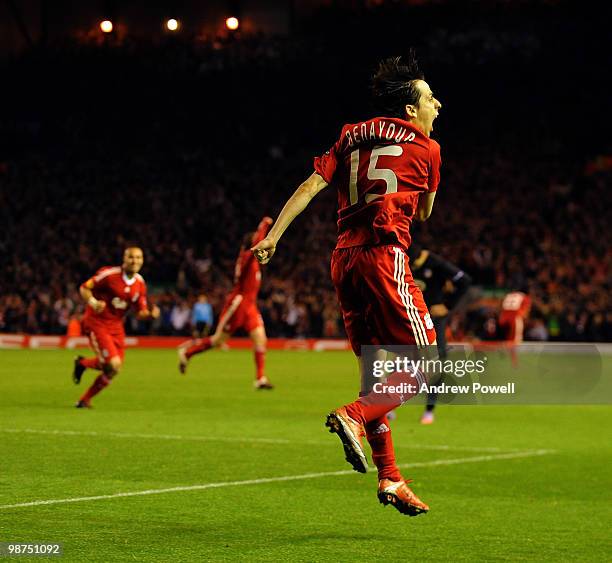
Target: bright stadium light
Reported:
point(106, 26)
point(172, 24)
point(232, 23)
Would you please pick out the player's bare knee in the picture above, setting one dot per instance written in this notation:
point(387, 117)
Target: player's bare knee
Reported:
point(115, 364)
point(219, 339)
point(258, 336)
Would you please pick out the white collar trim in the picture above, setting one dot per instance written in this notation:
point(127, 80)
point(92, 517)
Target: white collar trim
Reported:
point(127, 280)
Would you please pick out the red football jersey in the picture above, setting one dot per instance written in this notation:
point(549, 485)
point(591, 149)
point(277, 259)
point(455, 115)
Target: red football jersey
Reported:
point(247, 276)
point(111, 285)
point(379, 168)
point(517, 303)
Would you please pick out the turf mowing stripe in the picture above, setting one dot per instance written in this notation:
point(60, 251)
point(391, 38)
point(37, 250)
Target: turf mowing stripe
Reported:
point(256, 440)
point(475, 459)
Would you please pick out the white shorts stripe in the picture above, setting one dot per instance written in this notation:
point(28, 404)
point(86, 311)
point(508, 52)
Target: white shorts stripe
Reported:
point(96, 346)
point(420, 335)
point(236, 301)
point(412, 306)
point(398, 276)
point(410, 303)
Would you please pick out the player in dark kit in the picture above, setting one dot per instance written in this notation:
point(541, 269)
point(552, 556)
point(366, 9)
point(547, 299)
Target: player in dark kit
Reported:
point(109, 295)
point(443, 286)
point(240, 310)
point(385, 171)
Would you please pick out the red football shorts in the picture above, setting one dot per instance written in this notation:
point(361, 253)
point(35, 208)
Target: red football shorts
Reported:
point(106, 341)
point(238, 314)
point(381, 304)
point(512, 325)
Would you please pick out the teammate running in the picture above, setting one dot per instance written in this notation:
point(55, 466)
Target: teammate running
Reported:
point(109, 295)
point(240, 310)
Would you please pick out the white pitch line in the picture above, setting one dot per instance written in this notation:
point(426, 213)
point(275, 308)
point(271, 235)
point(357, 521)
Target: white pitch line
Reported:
point(231, 439)
point(147, 436)
point(302, 477)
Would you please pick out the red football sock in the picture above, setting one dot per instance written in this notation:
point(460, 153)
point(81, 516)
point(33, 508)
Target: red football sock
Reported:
point(260, 361)
point(514, 356)
point(100, 383)
point(375, 405)
point(383, 455)
point(90, 363)
point(201, 346)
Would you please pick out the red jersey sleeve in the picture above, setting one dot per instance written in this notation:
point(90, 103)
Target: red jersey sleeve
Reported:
point(246, 257)
point(244, 260)
point(262, 231)
point(434, 166)
point(97, 280)
point(89, 284)
point(142, 304)
point(326, 164)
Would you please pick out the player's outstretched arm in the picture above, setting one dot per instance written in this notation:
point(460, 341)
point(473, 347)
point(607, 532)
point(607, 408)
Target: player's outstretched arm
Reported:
point(295, 205)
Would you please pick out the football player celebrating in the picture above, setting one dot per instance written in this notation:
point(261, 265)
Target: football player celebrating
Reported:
point(109, 294)
point(385, 171)
point(240, 310)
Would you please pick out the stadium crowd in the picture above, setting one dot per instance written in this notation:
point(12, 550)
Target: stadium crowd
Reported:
point(516, 214)
point(63, 220)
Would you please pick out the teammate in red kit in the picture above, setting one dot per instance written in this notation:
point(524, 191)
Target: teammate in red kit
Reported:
point(109, 295)
point(386, 172)
point(515, 308)
point(240, 310)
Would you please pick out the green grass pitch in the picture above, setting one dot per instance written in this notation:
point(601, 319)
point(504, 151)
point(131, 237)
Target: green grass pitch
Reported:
point(494, 494)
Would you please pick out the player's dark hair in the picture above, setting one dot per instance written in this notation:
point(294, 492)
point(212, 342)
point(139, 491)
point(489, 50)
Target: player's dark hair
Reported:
point(394, 85)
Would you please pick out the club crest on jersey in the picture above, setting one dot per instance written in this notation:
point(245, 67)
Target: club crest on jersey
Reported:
point(119, 303)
